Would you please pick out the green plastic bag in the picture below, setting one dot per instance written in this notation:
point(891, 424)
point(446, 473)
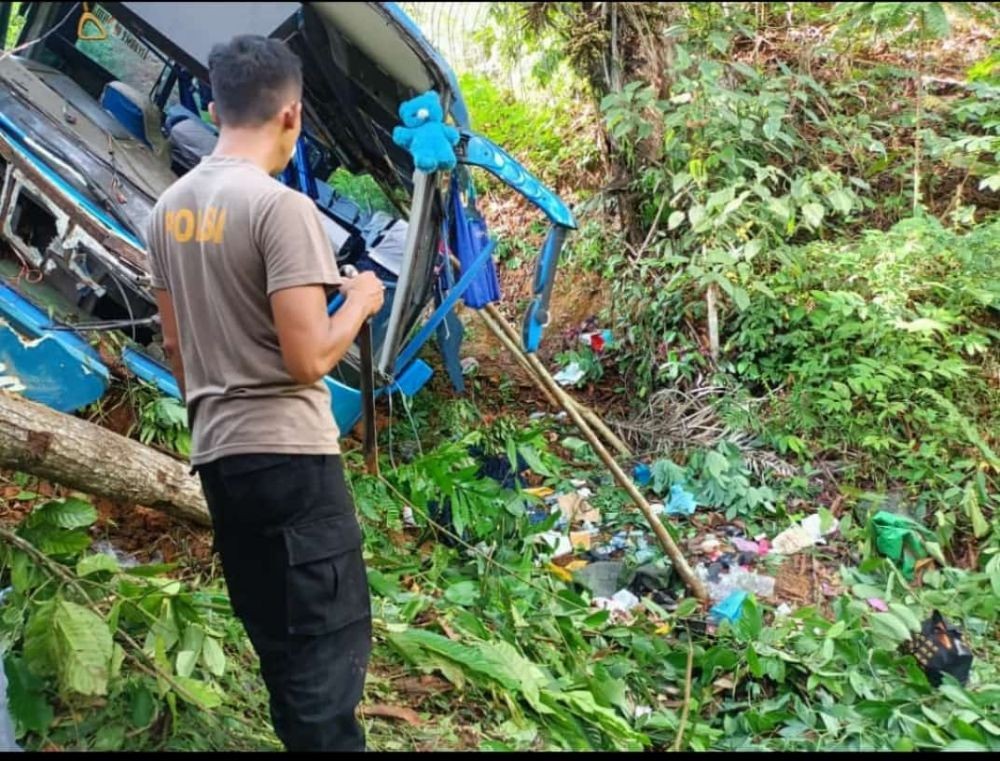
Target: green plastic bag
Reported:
point(899, 539)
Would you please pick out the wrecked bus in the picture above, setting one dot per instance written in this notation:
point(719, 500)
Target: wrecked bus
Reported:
point(104, 105)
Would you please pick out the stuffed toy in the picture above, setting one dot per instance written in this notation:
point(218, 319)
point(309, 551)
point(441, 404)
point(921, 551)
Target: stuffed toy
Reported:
point(425, 135)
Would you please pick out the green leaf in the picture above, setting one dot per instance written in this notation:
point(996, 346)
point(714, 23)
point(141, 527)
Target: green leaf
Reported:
point(905, 615)
point(687, 607)
point(675, 220)
point(964, 745)
point(67, 513)
point(110, 737)
point(95, 563)
point(213, 657)
point(26, 696)
point(463, 593)
point(142, 707)
point(530, 455)
point(840, 200)
point(891, 627)
point(813, 214)
point(202, 694)
point(39, 635)
point(741, 297)
point(957, 695)
point(186, 660)
point(83, 648)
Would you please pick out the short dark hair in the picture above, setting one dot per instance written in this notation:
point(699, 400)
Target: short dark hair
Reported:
point(251, 76)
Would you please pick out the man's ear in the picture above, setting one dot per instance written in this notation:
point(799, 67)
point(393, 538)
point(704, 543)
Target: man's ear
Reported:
point(291, 115)
point(213, 114)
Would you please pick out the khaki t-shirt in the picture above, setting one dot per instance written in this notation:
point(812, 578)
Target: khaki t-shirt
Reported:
point(222, 239)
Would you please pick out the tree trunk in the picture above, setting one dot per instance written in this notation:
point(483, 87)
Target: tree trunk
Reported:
point(63, 449)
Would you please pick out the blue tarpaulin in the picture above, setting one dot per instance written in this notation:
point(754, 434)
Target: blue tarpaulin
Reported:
point(470, 238)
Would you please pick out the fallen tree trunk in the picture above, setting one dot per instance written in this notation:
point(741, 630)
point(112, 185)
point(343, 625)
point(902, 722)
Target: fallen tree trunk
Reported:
point(66, 450)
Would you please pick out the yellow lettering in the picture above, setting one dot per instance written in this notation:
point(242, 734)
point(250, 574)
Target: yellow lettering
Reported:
point(220, 226)
point(170, 223)
point(206, 224)
point(184, 226)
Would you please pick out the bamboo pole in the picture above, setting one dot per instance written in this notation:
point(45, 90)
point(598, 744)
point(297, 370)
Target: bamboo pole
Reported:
point(545, 378)
point(666, 541)
point(519, 356)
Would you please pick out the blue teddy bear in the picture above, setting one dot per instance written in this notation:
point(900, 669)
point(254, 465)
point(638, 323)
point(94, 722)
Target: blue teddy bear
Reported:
point(430, 141)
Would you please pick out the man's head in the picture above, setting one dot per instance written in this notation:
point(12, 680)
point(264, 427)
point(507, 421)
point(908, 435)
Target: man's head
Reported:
point(257, 87)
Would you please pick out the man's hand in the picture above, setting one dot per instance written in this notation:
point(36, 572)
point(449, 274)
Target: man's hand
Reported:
point(367, 290)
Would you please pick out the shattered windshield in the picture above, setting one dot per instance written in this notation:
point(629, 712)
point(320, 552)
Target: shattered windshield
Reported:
point(121, 53)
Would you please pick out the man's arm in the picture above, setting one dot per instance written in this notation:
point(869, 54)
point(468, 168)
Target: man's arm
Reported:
point(312, 343)
point(171, 341)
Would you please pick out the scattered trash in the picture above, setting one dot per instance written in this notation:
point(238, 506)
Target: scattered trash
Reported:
point(653, 580)
point(598, 340)
point(559, 543)
point(469, 365)
point(878, 604)
point(540, 491)
point(600, 578)
point(750, 546)
point(738, 579)
point(730, 608)
point(577, 483)
point(939, 650)
point(581, 539)
point(569, 375)
point(574, 508)
point(642, 474)
point(898, 538)
point(125, 560)
point(641, 711)
point(708, 544)
point(783, 610)
point(801, 536)
point(681, 501)
point(408, 519)
point(624, 600)
point(4, 592)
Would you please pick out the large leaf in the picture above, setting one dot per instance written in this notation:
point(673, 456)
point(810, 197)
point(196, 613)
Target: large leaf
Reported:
point(201, 693)
point(67, 513)
point(39, 636)
point(83, 649)
point(95, 563)
point(213, 657)
point(26, 696)
point(54, 540)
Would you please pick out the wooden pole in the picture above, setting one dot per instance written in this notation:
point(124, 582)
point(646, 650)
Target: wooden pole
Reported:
point(519, 356)
point(666, 541)
point(544, 377)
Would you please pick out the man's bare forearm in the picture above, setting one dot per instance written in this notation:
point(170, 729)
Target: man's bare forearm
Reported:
point(177, 366)
point(341, 330)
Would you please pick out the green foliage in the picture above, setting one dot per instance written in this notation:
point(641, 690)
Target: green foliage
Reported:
point(59, 625)
point(362, 190)
point(544, 138)
point(162, 420)
point(872, 345)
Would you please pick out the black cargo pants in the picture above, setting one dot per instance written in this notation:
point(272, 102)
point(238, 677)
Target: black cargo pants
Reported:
point(290, 544)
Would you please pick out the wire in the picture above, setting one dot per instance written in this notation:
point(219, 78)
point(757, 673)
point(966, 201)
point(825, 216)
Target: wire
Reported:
point(7, 53)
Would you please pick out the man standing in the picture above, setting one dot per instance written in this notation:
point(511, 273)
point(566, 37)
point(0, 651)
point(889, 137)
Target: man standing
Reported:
point(242, 268)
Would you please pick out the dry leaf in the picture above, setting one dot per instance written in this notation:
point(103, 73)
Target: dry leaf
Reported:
point(400, 713)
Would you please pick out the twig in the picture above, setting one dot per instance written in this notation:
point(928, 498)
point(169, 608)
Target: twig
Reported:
point(687, 695)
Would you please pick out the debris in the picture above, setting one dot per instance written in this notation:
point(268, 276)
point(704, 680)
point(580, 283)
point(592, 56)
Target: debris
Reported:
point(783, 610)
point(569, 375)
point(469, 365)
point(597, 340)
point(708, 544)
point(575, 565)
point(581, 539)
point(801, 536)
point(878, 604)
point(575, 508)
point(559, 573)
point(642, 474)
point(898, 538)
point(408, 520)
point(653, 580)
point(641, 711)
point(125, 560)
point(576, 483)
point(749, 546)
point(559, 543)
point(681, 501)
point(400, 713)
point(540, 491)
point(939, 650)
point(722, 585)
point(601, 578)
point(621, 601)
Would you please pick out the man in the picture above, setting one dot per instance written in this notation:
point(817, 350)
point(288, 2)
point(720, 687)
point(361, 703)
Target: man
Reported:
point(242, 267)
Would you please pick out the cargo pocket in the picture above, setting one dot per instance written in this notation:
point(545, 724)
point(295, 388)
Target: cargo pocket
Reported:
point(325, 581)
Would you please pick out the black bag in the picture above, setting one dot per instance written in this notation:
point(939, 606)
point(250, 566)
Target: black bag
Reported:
point(939, 650)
